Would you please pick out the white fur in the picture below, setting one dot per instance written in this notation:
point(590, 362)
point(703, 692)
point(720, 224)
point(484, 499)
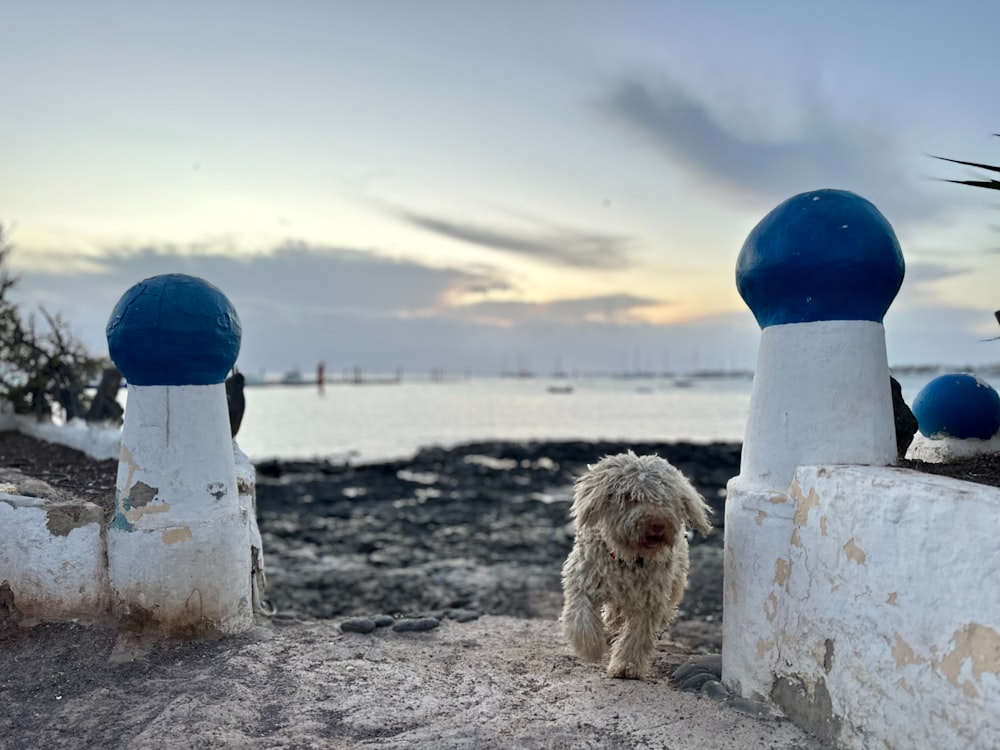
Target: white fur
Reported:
point(628, 568)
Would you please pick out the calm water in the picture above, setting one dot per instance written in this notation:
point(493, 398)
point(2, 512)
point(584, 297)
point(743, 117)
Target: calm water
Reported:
point(376, 422)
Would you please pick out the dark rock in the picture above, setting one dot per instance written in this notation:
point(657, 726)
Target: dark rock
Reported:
point(383, 621)
point(462, 615)
point(416, 624)
point(483, 527)
point(358, 625)
point(715, 690)
point(694, 683)
point(709, 663)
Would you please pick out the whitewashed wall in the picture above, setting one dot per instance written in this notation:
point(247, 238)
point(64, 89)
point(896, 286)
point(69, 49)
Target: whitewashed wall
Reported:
point(864, 603)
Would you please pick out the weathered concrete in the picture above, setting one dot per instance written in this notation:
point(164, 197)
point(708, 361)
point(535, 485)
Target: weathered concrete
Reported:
point(52, 560)
point(179, 544)
point(940, 449)
point(54, 551)
point(856, 602)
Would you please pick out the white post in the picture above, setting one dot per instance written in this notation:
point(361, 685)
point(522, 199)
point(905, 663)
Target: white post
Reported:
point(819, 273)
point(179, 546)
point(959, 416)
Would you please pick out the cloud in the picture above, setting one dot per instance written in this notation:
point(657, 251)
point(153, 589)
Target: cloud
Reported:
point(307, 277)
point(562, 247)
point(611, 308)
point(300, 305)
point(682, 127)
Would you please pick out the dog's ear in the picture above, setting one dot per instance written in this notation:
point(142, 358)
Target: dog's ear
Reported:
point(696, 510)
point(587, 499)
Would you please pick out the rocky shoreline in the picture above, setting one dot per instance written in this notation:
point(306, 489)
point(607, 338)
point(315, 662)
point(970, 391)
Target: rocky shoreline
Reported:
point(449, 533)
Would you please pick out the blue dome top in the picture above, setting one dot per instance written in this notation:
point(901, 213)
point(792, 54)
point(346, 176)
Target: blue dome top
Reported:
point(174, 329)
point(821, 255)
point(957, 405)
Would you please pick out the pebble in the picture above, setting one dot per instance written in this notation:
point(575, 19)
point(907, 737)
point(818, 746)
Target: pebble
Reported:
point(416, 624)
point(694, 683)
point(715, 690)
point(462, 615)
point(383, 621)
point(358, 625)
point(696, 665)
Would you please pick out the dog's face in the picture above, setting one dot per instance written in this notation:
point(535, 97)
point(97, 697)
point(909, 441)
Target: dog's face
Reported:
point(640, 504)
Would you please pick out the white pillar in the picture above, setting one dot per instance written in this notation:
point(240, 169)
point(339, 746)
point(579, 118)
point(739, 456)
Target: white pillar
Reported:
point(820, 395)
point(819, 273)
point(959, 416)
point(179, 555)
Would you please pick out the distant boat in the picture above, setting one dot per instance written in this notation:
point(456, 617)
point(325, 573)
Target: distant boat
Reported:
point(682, 383)
point(293, 377)
point(560, 389)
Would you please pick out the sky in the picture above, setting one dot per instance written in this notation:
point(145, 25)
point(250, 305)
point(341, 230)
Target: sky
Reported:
point(487, 187)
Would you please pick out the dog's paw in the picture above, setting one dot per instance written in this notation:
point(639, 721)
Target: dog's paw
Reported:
point(587, 644)
point(584, 630)
point(620, 671)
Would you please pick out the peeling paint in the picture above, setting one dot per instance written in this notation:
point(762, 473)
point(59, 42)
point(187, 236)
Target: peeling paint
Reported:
point(854, 552)
point(134, 515)
point(778, 498)
point(127, 514)
point(892, 599)
point(782, 569)
point(978, 643)
point(764, 646)
point(903, 652)
point(803, 504)
point(795, 540)
point(172, 536)
point(771, 607)
point(141, 494)
point(822, 525)
point(61, 519)
point(760, 517)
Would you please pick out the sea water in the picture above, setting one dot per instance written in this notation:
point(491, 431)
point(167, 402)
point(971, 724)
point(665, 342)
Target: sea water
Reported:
point(380, 421)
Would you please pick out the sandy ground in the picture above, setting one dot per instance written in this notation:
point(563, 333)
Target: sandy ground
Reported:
point(497, 682)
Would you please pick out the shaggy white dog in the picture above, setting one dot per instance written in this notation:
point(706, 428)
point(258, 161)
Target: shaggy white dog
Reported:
point(628, 568)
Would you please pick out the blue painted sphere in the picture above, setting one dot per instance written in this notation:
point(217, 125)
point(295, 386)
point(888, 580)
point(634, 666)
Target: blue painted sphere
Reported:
point(174, 329)
point(821, 255)
point(957, 405)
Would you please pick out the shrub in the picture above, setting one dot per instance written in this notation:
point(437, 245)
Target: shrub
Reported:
point(42, 365)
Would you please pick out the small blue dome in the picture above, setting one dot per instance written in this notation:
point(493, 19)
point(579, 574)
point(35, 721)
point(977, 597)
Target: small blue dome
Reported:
point(957, 405)
point(174, 329)
point(821, 255)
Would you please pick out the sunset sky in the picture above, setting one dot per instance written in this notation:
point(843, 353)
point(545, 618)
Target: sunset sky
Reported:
point(489, 186)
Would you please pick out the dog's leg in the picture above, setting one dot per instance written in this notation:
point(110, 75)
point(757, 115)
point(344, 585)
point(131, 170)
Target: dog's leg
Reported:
point(583, 628)
point(581, 616)
point(632, 650)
